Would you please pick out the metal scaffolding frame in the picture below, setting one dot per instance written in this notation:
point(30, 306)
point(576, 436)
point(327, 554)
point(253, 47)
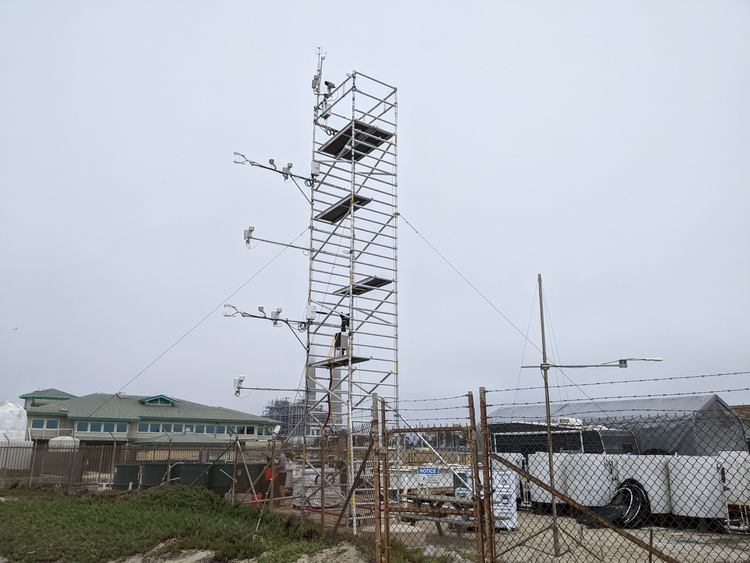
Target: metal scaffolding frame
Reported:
point(353, 274)
point(353, 341)
point(351, 320)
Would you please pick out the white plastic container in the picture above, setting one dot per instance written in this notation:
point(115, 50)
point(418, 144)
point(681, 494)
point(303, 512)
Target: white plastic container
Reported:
point(652, 473)
point(736, 466)
point(589, 479)
point(307, 488)
point(402, 478)
point(517, 460)
point(539, 468)
point(696, 488)
point(505, 484)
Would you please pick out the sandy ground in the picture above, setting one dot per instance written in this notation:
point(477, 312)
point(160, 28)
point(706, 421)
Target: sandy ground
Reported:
point(345, 552)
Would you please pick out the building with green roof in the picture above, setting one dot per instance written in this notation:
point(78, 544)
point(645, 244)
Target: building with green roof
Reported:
point(44, 396)
point(138, 419)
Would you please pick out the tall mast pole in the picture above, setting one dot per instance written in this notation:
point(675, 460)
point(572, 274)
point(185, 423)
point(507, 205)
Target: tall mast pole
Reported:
point(545, 374)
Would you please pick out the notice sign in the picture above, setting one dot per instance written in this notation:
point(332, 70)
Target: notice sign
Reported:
point(427, 476)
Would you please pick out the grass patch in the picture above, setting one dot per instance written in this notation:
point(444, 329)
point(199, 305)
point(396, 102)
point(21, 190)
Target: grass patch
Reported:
point(293, 551)
point(52, 525)
point(402, 554)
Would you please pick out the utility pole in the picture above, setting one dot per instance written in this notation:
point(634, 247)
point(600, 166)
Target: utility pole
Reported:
point(622, 363)
point(545, 374)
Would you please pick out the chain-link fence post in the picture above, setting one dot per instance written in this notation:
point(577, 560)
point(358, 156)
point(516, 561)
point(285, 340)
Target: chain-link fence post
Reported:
point(489, 487)
point(386, 484)
point(480, 514)
point(375, 436)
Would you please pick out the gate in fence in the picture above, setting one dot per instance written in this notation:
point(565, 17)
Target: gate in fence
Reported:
point(429, 487)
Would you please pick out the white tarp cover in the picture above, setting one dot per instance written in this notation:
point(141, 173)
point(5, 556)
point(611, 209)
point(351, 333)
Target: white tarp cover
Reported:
point(12, 422)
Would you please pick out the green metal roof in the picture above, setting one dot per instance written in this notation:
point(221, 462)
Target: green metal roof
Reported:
point(159, 400)
point(47, 394)
point(129, 408)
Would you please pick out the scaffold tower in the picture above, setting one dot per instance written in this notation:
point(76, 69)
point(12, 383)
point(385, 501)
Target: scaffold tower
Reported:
point(353, 274)
point(351, 319)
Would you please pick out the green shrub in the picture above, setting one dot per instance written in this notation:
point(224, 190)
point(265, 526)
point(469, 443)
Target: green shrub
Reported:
point(51, 525)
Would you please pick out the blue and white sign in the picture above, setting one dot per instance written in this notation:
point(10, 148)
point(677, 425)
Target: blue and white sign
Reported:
point(427, 476)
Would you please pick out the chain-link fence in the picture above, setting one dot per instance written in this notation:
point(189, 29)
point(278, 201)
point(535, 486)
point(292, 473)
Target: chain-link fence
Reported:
point(669, 485)
point(433, 479)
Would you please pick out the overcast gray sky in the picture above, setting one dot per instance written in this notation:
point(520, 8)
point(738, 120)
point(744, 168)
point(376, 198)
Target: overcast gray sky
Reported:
point(605, 145)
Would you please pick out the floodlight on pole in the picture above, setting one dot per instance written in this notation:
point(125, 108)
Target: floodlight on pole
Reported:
point(545, 367)
point(622, 363)
point(238, 381)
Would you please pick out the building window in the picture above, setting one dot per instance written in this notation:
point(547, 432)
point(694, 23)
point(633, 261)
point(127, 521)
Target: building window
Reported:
point(142, 427)
point(188, 428)
point(119, 427)
point(155, 426)
point(200, 428)
point(166, 428)
point(221, 429)
point(210, 429)
point(177, 428)
point(41, 423)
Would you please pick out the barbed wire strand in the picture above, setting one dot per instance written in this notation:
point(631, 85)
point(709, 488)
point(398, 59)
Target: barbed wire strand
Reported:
point(622, 382)
point(402, 401)
point(615, 397)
